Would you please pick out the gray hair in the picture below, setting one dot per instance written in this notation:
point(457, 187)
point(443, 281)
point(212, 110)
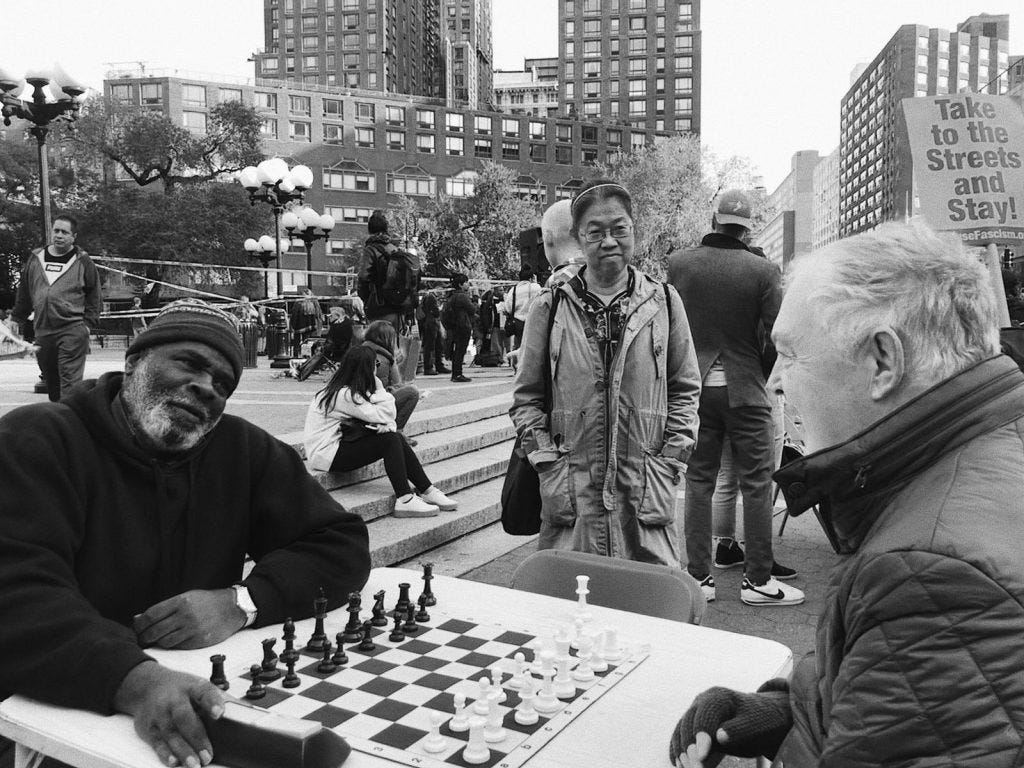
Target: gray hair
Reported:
point(933, 294)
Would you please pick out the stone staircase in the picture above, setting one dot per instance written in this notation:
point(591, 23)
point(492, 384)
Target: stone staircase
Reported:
point(464, 449)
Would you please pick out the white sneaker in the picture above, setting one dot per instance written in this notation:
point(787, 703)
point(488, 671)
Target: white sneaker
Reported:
point(707, 586)
point(434, 496)
point(413, 506)
point(772, 592)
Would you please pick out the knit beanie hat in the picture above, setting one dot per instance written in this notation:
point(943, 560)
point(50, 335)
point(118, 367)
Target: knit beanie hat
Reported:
point(194, 320)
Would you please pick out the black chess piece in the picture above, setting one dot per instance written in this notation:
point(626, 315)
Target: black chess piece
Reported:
point(269, 671)
point(319, 637)
point(217, 676)
point(257, 690)
point(421, 615)
point(367, 644)
point(291, 680)
point(326, 665)
point(397, 635)
point(410, 627)
point(403, 598)
point(380, 616)
point(288, 636)
point(340, 658)
point(354, 628)
point(428, 575)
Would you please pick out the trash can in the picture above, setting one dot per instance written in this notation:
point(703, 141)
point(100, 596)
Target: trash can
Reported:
point(250, 342)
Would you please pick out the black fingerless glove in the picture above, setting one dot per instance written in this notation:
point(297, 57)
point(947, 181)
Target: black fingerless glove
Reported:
point(755, 723)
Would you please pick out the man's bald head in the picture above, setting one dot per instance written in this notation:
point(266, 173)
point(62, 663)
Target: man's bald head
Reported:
point(559, 245)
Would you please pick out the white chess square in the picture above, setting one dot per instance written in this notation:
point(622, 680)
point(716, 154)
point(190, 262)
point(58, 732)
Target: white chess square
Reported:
point(463, 671)
point(362, 726)
point(352, 678)
point(297, 706)
point(414, 694)
point(357, 701)
point(448, 653)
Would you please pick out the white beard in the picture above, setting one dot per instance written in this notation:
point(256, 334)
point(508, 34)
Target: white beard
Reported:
point(151, 415)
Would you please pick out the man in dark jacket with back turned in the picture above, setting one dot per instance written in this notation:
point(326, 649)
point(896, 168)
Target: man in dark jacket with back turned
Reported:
point(126, 514)
point(889, 347)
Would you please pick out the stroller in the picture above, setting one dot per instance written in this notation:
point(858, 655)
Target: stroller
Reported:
point(318, 361)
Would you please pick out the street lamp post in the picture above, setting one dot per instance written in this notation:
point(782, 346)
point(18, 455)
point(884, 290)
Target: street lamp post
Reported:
point(266, 250)
point(273, 183)
point(308, 226)
point(53, 95)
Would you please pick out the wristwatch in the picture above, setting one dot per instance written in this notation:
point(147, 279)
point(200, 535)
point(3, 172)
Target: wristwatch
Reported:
point(245, 604)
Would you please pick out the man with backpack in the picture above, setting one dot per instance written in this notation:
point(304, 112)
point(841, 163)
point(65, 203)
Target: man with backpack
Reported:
point(517, 303)
point(388, 275)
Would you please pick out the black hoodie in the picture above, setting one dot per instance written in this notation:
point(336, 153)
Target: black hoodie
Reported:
point(93, 532)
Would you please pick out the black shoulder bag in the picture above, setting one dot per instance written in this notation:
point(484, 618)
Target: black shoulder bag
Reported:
point(520, 493)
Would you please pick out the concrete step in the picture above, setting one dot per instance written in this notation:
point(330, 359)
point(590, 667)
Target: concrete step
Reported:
point(395, 540)
point(373, 499)
point(433, 447)
point(472, 551)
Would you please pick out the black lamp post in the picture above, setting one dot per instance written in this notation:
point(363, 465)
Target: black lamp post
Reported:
point(49, 96)
point(308, 226)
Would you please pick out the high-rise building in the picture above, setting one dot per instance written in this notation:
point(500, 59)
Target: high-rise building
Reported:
point(790, 231)
point(825, 226)
point(532, 90)
point(378, 45)
point(1015, 79)
point(467, 24)
point(876, 170)
point(631, 61)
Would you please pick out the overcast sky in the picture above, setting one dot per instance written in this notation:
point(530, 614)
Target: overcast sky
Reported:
point(774, 70)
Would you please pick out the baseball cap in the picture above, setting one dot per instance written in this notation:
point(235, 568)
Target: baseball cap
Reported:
point(733, 208)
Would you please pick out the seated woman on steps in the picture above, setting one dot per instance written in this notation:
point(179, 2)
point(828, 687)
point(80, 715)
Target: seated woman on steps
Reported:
point(351, 423)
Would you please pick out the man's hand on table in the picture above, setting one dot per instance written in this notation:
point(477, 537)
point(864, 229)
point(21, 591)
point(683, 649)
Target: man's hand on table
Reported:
point(164, 705)
point(722, 721)
point(195, 619)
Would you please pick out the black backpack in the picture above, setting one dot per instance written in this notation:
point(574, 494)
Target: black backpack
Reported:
point(398, 277)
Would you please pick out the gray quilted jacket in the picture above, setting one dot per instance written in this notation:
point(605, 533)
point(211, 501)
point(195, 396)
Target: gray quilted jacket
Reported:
point(920, 646)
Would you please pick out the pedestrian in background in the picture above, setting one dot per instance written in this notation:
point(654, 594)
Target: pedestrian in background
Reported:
point(431, 335)
point(381, 338)
point(518, 302)
point(457, 318)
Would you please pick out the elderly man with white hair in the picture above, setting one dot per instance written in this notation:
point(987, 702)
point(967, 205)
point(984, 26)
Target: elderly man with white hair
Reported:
point(889, 346)
point(560, 247)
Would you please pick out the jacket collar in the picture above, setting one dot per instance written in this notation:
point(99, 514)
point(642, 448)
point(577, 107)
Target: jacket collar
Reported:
point(378, 349)
point(723, 242)
point(850, 483)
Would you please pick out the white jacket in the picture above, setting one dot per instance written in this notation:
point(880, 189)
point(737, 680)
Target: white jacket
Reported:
point(522, 295)
point(322, 432)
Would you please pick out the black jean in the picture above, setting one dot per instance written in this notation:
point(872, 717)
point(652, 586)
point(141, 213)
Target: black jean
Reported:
point(460, 343)
point(430, 333)
point(400, 461)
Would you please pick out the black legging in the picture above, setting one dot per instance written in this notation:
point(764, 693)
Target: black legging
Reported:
point(400, 462)
point(460, 343)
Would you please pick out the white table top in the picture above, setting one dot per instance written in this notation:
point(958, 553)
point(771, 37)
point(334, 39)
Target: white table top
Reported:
point(628, 725)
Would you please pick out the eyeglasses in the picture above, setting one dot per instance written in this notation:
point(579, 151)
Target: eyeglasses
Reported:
point(619, 232)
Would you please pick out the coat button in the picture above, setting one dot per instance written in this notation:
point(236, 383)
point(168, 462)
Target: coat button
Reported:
point(797, 489)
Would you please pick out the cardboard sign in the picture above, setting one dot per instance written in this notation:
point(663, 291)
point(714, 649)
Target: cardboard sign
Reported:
point(968, 151)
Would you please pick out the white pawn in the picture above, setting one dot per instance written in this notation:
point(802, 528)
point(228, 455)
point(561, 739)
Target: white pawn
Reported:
point(612, 652)
point(535, 645)
point(525, 712)
point(583, 672)
point(563, 685)
point(435, 742)
point(476, 751)
point(480, 705)
point(516, 681)
point(547, 661)
point(579, 621)
point(546, 701)
point(496, 674)
point(460, 721)
point(562, 645)
point(597, 662)
point(494, 731)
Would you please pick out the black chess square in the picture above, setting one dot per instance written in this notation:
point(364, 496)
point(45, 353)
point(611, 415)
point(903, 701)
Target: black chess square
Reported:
point(398, 736)
point(428, 663)
point(513, 638)
point(330, 716)
point(457, 627)
point(438, 682)
point(382, 686)
point(390, 709)
point(479, 659)
point(324, 691)
point(419, 646)
point(443, 702)
point(467, 643)
point(374, 666)
point(272, 697)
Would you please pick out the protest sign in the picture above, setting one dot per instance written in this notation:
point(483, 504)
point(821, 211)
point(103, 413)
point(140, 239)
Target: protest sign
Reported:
point(968, 152)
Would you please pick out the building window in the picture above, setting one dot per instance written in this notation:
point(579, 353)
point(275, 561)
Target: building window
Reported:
point(590, 48)
point(570, 49)
point(613, 137)
point(592, 69)
point(333, 134)
point(588, 134)
point(334, 109)
point(510, 129)
point(299, 131)
point(455, 121)
point(539, 153)
point(563, 155)
point(425, 142)
point(194, 121)
point(364, 137)
point(425, 119)
point(570, 28)
point(589, 156)
point(152, 93)
point(311, 62)
point(637, 107)
point(592, 108)
point(510, 150)
point(350, 61)
point(483, 125)
point(637, 87)
point(402, 184)
point(351, 180)
point(684, 63)
point(538, 130)
point(266, 101)
point(684, 42)
point(350, 40)
point(637, 45)
point(268, 127)
point(461, 185)
point(395, 139)
point(638, 66)
point(394, 115)
point(299, 105)
point(483, 148)
point(193, 95)
point(365, 113)
point(310, 42)
point(638, 5)
point(592, 27)
point(637, 23)
point(455, 145)
point(570, 90)
point(122, 94)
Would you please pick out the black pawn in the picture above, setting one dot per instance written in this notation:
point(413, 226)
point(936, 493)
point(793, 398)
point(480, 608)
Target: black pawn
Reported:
point(410, 627)
point(367, 644)
point(428, 574)
point(403, 598)
point(354, 628)
point(397, 635)
point(289, 639)
point(217, 676)
point(319, 637)
point(421, 615)
point(326, 665)
point(340, 658)
point(269, 667)
point(291, 680)
point(257, 690)
point(380, 615)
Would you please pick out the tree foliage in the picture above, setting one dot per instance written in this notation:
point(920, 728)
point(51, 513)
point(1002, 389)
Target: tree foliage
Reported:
point(150, 148)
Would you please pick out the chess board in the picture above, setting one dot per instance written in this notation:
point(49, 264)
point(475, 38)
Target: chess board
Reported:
point(381, 701)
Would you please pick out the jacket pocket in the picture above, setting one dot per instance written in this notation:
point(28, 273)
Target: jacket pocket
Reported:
point(558, 506)
point(661, 481)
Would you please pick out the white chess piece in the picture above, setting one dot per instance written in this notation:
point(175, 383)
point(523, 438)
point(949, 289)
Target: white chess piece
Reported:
point(597, 662)
point(584, 672)
point(435, 742)
point(516, 681)
point(480, 705)
point(612, 652)
point(494, 731)
point(496, 674)
point(535, 645)
point(460, 720)
point(525, 712)
point(546, 701)
point(563, 684)
point(582, 590)
point(476, 751)
point(578, 623)
point(562, 645)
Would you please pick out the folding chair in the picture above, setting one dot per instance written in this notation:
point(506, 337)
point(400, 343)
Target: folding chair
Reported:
point(646, 588)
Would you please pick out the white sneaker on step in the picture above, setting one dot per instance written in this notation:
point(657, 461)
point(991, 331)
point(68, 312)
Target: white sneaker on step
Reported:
point(413, 506)
point(434, 496)
point(772, 592)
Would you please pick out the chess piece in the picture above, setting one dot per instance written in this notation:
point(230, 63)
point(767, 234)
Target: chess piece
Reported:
point(269, 671)
point(496, 675)
point(428, 575)
point(597, 662)
point(546, 701)
point(410, 627)
point(612, 652)
point(327, 665)
point(525, 712)
point(494, 731)
point(421, 615)
point(379, 617)
point(353, 630)
point(583, 672)
point(367, 644)
point(397, 635)
point(403, 598)
point(217, 676)
point(257, 690)
point(535, 647)
point(291, 680)
point(289, 639)
point(562, 645)
point(582, 590)
point(517, 681)
point(319, 637)
point(480, 706)
point(476, 751)
point(578, 624)
point(563, 685)
point(435, 742)
point(340, 658)
point(460, 720)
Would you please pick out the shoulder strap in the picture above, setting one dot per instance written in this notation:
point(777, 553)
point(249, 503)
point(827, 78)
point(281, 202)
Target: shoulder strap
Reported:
point(555, 295)
point(668, 305)
point(514, 302)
